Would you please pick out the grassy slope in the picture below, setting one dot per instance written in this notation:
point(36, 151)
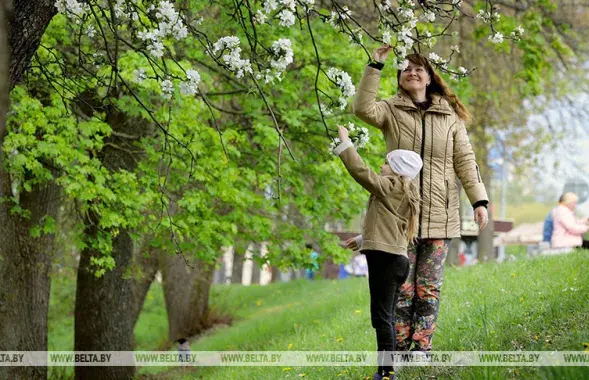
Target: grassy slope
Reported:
point(527, 304)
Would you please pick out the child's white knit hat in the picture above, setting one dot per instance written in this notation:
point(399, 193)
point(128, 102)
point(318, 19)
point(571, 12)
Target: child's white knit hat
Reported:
point(405, 162)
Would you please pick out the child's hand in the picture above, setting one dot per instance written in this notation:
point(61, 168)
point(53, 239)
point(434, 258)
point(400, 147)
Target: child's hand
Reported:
point(342, 133)
point(351, 243)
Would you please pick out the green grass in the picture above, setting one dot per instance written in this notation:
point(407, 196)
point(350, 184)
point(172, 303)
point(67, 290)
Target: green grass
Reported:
point(521, 304)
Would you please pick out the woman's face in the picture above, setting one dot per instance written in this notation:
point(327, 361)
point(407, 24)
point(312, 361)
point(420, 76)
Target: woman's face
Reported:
point(571, 205)
point(414, 78)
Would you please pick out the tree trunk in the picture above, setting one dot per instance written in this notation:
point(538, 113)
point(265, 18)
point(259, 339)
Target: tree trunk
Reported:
point(103, 321)
point(238, 259)
point(145, 266)
point(105, 315)
point(186, 291)
point(256, 270)
point(275, 273)
point(25, 268)
point(25, 262)
point(30, 18)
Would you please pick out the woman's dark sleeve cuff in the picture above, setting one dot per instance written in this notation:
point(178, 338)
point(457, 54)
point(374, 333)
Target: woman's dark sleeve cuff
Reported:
point(377, 65)
point(480, 203)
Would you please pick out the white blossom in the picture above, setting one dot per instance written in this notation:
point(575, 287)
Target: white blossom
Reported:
point(428, 16)
point(336, 141)
point(167, 89)
point(228, 42)
point(270, 5)
point(517, 32)
point(139, 75)
point(290, 4)
point(180, 31)
point(193, 75)
point(429, 42)
point(356, 37)
point(236, 64)
point(462, 70)
point(484, 16)
point(269, 76)
point(406, 36)
point(343, 80)
point(455, 48)
point(386, 37)
point(342, 103)
point(309, 3)
point(403, 65)
point(71, 6)
point(346, 14)
point(167, 11)
point(405, 12)
point(156, 48)
point(496, 38)
point(325, 109)
point(260, 17)
point(401, 52)
point(385, 5)
point(413, 22)
point(333, 19)
point(435, 58)
point(282, 54)
point(90, 31)
point(287, 18)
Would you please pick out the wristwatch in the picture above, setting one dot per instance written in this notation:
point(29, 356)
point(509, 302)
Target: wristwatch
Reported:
point(375, 64)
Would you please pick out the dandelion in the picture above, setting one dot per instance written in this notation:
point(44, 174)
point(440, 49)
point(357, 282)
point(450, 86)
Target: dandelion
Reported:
point(259, 302)
point(289, 346)
point(340, 339)
point(357, 311)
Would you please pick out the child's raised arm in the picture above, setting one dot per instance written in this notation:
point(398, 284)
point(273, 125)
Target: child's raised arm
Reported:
point(371, 181)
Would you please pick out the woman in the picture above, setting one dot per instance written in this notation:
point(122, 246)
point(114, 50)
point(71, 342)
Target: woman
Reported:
point(568, 230)
point(426, 117)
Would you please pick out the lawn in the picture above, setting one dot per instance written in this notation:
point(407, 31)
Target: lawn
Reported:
point(529, 304)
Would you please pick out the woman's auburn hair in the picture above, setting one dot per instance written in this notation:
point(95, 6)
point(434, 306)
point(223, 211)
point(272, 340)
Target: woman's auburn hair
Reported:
point(437, 86)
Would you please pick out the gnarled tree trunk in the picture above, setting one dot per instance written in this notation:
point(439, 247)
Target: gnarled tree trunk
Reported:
point(186, 291)
point(104, 316)
point(25, 262)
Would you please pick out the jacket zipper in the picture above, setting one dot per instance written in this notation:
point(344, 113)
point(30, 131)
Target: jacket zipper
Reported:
point(421, 173)
point(447, 197)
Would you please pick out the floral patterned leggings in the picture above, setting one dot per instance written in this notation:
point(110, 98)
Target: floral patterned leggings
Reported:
point(419, 298)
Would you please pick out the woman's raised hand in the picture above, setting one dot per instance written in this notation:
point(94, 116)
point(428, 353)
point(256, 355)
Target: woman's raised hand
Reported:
point(381, 53)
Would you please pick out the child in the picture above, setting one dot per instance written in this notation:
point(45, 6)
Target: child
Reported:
point(391, 222)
